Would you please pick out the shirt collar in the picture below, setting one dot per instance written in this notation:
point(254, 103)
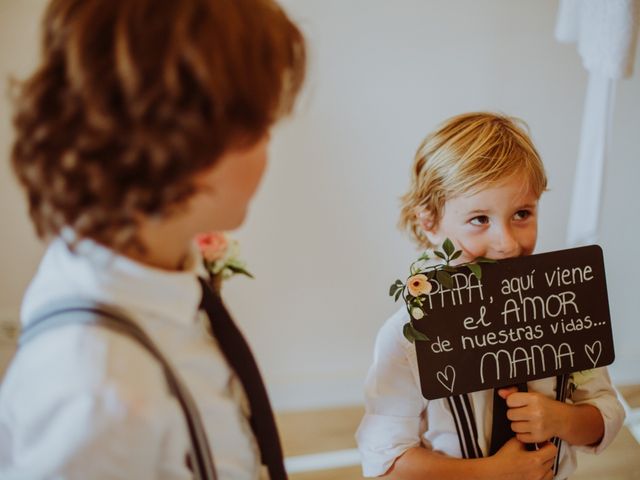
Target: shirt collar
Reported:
point(96, 272)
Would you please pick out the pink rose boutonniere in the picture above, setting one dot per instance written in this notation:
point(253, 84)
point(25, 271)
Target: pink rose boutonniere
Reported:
point(220, 257)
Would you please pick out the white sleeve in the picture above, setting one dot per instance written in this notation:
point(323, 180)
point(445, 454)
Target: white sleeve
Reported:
point(599, 392)
point(394, 406)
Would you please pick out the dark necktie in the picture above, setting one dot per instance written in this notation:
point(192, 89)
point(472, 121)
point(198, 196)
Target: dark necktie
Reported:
point(239, 356)
point(501, 426)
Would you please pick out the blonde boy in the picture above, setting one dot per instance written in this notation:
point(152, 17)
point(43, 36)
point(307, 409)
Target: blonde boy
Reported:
point(476, 180)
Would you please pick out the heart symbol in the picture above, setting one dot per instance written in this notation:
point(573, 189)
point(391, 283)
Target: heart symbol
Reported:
point(447, 377)
point(594, 351)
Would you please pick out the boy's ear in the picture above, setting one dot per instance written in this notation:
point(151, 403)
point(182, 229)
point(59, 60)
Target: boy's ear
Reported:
point(426, 220)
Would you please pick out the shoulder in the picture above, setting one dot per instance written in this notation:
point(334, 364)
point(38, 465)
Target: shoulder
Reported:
point(390, 337)
point(392, 327)
point(82, 360)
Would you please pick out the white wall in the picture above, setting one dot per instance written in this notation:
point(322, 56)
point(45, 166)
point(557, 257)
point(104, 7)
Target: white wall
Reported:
point(321, 238)
point(19, 249)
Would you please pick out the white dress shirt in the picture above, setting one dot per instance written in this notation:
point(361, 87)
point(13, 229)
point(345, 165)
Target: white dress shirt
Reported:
point(83, 402)
point(397, 417)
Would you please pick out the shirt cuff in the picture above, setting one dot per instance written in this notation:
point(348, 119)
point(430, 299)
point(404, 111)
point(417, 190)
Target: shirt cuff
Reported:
point(383, 438)
point(613, 417)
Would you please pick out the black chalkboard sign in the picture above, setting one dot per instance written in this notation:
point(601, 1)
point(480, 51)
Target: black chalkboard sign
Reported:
point(527, 318)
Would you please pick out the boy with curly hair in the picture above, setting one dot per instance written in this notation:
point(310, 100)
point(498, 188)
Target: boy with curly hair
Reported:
point(146, 122)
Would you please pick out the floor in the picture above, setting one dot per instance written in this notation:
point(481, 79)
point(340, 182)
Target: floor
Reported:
point(314, 439)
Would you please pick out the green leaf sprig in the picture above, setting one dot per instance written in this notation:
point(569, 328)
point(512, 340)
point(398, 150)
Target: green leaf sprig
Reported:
point(423, 275)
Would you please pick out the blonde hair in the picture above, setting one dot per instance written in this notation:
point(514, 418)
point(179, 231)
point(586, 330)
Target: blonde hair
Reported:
point(467, 153)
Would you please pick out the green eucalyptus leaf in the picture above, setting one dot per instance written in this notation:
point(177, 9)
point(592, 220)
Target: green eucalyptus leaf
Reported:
point(456, 254)
point(440, 254)
point(484, 260)
point(398, 293)
point(421, 337)
point(424, 256)
point(431, 274)
point(407, 331)
point(237, 269)
point(476, 270)
point(414, 333)
point(394, 287)
point(444, 278)
point(448, 247)
point(449, 268)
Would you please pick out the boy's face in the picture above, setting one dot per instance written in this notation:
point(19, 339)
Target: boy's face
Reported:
point(228, 187)
point(499, 221)
point(222, 196)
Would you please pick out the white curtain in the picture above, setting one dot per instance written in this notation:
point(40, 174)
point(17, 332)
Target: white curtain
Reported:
point(606, 33)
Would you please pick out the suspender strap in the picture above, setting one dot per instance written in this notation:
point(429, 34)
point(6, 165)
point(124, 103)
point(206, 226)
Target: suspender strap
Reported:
point(456, 420)
point(562, 387)
point(465, 422)
point(89, 313)
point(466, 427)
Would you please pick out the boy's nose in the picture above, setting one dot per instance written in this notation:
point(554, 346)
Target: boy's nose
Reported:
point(505, 243)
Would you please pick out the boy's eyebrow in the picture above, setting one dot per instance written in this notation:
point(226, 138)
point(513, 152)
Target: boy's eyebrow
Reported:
point(481, 211)
point(472, 212)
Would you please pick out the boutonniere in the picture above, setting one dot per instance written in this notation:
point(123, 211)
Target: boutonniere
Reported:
point(423, 272)
point(220, 257)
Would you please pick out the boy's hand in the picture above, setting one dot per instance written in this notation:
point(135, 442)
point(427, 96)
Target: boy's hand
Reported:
point(534, 417)
point(515, 462)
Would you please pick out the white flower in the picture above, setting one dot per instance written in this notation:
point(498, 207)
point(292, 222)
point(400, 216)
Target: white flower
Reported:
point(419, 285)
point(417, 313)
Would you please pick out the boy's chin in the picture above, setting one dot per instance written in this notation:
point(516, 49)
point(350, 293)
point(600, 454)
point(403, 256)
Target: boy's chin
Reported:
point(229, 223)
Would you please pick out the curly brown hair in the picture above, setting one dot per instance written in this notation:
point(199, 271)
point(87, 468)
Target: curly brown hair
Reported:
point(133, 97)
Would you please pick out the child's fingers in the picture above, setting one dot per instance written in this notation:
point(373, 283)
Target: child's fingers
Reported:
point(528, 437)
point(505, 392)
point(513, 445)
point(525, 437)
point(518, 399)
point(517, 414)
point(549, 463)
point(547, 452)
point(520, 427)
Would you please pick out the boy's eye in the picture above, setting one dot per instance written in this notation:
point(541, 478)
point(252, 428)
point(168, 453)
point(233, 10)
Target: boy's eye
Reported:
point(522, 214)
point(479, 220)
